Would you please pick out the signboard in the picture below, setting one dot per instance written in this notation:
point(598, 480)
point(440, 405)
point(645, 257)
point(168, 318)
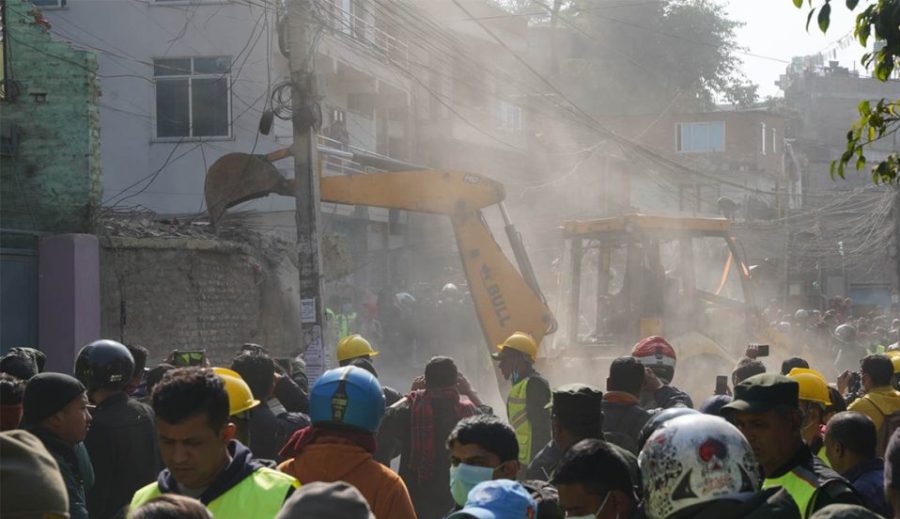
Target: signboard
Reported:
point(308, 311)
point(315, 357)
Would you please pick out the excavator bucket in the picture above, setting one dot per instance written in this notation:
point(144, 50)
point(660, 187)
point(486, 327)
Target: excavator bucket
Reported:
point(239, 177)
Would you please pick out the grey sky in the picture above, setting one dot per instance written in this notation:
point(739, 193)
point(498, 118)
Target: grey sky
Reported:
point(775, 29)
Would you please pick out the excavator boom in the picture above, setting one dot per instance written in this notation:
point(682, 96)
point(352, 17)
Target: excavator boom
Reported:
point(504, 300)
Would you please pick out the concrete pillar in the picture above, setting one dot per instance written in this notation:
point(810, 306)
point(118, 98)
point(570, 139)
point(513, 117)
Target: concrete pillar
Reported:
point(68, 297)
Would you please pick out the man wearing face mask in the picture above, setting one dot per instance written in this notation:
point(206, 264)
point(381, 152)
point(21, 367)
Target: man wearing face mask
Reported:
point(594, 482)
point(482, 448)
point(526, 404)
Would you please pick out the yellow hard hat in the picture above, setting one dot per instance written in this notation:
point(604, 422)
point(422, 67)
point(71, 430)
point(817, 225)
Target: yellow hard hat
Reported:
point(353, 346)
point(895, 359)
point(813, 387)
point(240, 398)
point(520, 341)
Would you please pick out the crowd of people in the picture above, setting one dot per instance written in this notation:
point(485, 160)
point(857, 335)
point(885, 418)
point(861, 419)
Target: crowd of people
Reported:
point(254, 439)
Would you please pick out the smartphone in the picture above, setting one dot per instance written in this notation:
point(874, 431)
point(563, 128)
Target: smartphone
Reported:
point(762, 350)
point(188, 358)
point(722, 385)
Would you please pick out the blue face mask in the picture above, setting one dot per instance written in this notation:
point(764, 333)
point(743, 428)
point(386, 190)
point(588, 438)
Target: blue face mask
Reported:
point(463, 478)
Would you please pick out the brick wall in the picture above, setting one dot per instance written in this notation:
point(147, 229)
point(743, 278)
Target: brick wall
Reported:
point(196, 294)
point(52, 181)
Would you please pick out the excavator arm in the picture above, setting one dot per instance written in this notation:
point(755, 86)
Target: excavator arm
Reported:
point(505, 300)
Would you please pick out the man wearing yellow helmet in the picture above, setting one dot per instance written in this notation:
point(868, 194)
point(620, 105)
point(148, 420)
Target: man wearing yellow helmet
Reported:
point(814, 399)
point(527, 402)
point(240, 402)
point(354, 347)
point(273, 422)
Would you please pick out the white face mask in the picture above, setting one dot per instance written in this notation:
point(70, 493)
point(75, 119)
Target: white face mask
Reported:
point(595, 514)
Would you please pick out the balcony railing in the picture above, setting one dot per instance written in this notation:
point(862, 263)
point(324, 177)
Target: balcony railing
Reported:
point(336, 159)
point(388, 48)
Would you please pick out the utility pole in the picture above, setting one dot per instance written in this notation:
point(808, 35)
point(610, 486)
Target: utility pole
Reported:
point(305, 121)
point(895, 297)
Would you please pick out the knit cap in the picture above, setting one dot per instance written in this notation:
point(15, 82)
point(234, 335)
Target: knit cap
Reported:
point(31, 483)
point(47, 393)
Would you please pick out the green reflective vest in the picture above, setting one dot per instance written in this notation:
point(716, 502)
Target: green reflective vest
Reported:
point(801, 484)
point(822, 455)
point(518, 419)
point(259, 495)
point(877, 348)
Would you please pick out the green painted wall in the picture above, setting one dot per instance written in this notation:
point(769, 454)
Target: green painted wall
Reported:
point(52, 181)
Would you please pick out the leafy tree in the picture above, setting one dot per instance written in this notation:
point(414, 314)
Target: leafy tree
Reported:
point(645, 53)
point(645, 57)
point(879, 19)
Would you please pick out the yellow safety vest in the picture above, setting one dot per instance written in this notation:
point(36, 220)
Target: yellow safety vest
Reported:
point(518, 419)
point(800, 484)
point(822, 455)
point(260, 495)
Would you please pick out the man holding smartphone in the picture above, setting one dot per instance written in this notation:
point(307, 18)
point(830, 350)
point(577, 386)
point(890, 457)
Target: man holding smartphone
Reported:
point(658, 356)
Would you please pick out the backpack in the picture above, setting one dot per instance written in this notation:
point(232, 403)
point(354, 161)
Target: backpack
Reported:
point(889, 424)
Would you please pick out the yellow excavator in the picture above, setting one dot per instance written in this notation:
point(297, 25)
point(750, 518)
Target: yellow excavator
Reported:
point(628, 277)
point(506, 300)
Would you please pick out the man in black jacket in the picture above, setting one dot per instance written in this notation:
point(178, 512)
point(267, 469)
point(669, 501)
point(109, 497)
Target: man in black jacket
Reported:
point(623, 416)
point(274, 421)
point(122, 441)
point(55, 410)
point(766, 410)
point(576, 414)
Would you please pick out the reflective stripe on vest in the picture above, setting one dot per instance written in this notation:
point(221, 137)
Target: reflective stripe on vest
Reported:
point(259, 495)
point(800, 484)
point(518, 419)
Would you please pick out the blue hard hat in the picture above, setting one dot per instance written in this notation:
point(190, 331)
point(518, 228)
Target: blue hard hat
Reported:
point(498, 499)
point(347, 396)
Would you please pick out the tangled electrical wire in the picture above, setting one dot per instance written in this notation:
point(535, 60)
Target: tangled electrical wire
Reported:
point(281, 102)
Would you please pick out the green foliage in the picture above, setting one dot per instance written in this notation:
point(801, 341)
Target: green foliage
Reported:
point(638, 56)
point(874, 123)
point(881, 19)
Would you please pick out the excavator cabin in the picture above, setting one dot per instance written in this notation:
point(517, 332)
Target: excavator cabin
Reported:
point(633, 276)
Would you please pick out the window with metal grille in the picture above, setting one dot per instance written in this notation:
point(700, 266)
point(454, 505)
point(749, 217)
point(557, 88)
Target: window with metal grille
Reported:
point(193, 97)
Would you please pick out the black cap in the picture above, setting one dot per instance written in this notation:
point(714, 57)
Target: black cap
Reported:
point(23, 363)
point(761, 393)
point(47, 393)
point(440, 372)
point(576, 399)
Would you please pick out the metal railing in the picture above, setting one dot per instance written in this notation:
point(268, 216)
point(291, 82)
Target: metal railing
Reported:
point(337, 159)
point(388, 47)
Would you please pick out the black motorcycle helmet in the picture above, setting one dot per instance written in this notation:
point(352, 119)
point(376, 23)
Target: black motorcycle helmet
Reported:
point(104, 364)
point(660, 419)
